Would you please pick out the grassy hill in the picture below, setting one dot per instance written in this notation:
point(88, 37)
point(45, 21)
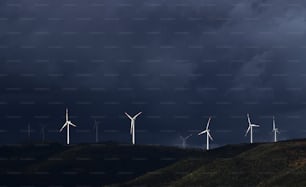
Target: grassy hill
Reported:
point(84, 164)
point(111, 164)
point(268, 164)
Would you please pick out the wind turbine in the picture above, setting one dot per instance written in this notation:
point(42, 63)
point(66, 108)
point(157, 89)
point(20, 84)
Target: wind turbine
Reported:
point(96, 128)
point(132, 130)
point(207, 131)
point(275, 130)
point(29, 130)
point(67, 124)
point(250, 128)
point(184, 140)
point(42, 131)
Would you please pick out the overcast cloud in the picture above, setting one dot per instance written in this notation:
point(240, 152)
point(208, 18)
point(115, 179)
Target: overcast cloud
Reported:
point(176, 61)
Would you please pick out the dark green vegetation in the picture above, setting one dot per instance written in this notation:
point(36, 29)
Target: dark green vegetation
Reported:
point(266, 164)
point(83, 164)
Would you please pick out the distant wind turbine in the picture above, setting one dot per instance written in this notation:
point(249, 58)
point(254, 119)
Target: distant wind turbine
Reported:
point(96, 128)
point(184, 140)
point(250, 128)
point(42, 132)
point(275, 130)
point(67, 124)
point(207, 131)
point(132, 130)
point(29, 130)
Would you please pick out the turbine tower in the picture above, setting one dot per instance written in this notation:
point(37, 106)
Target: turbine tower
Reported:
point(250, 129)
point(96, 128)
point(184, 140)
point(207, 131)
point(132, 130)
point(67, 124)
point(275, 130)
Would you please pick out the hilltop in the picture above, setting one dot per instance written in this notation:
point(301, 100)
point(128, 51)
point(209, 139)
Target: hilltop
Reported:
point(83, 164)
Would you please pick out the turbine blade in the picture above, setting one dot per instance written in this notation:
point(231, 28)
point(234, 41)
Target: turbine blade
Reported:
point(128, 115)
point(188, 136)
point(63, 127)
point(209, 136)
point(202, 132)
point(249, 120)
point(246, 133)
point(137, 115)
point(66, 114)
point(72, 124)
point(208, 123)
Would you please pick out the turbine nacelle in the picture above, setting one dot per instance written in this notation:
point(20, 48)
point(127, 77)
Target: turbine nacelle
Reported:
point(203, 132)
point(276, 130)
point(134, 117)
point(249, 128)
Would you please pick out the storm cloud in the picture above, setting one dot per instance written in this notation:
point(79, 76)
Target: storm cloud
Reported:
point(176, 61)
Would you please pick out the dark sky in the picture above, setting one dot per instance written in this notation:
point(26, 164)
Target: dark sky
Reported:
point(176, 61)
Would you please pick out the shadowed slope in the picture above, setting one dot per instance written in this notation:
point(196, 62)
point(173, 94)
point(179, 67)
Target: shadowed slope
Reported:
point(267, 164)
point(84, 164)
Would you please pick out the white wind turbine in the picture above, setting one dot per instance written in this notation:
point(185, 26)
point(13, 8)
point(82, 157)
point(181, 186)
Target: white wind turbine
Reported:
point(275, 130)
point(207, 131)
point(67, 124)
point(250, 128)
point(184, 140)
point(96, 128)
point(132, 130)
